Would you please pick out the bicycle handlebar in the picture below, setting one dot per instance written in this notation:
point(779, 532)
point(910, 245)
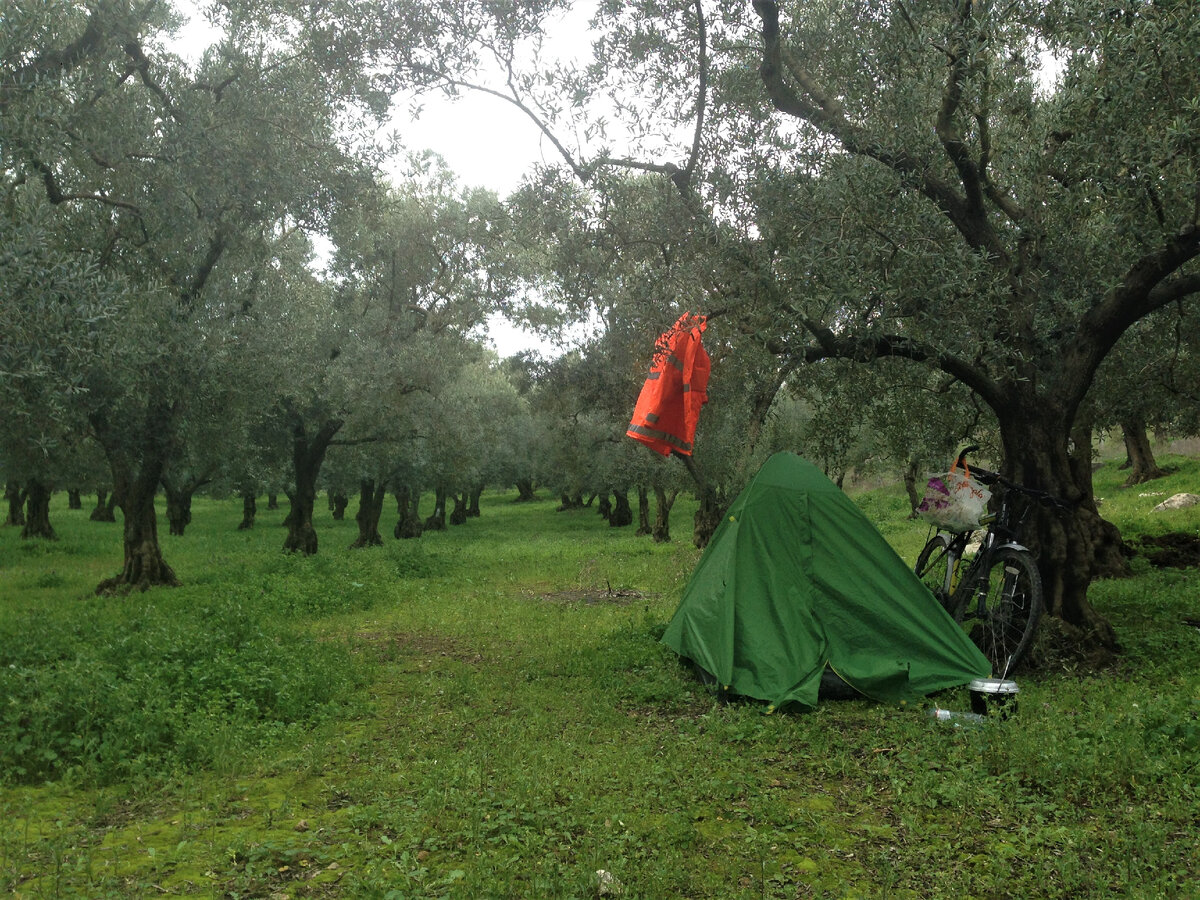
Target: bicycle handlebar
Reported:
point(989, 478)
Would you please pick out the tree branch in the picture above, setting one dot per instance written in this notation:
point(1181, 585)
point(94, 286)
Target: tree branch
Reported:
point(823, 111)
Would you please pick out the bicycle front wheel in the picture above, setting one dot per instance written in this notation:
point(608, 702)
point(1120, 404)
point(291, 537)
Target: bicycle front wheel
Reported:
point(931, 568)
point(1001, 608)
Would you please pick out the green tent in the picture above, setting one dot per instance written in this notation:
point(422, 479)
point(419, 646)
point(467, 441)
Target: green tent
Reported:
point(797, 578)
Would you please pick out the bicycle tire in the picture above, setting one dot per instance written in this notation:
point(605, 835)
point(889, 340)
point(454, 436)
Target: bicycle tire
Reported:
point(1003, 629)
point(931, 568)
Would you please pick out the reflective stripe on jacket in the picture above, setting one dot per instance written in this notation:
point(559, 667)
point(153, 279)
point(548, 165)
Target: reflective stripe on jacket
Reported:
point(668, 407)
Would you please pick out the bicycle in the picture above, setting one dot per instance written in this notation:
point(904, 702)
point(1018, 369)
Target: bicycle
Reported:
point(997, 593)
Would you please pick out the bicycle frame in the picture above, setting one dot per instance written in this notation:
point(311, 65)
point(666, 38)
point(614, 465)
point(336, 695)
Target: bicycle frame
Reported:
point(997, 534)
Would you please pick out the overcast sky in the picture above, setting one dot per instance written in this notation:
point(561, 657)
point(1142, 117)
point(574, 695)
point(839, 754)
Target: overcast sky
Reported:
point(484, 140)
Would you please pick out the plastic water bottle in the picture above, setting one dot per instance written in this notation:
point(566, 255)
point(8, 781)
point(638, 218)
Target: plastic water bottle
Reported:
point(957, 719)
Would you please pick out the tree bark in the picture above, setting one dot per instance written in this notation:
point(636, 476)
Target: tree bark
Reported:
point(106, 505)
point(37, 512)
point(458, 515)
point(525, 491)
point(338, 503)
point(249, 509)
point(663, 500)
point(622, 513)
point(571, 501)
point(605, 508)
point(408, 526)
point(911, 471)
point(272, 500)
point(1143, 467)
point(370, 508)
point(643, 511)
point(73, 499)
point(473, 503)
point(138, 460)
point(1074, 546)
point(708, 516)
point(437, 520)
point(307, 456)
point(144, 564)
point(179, 506)
point(14, 495)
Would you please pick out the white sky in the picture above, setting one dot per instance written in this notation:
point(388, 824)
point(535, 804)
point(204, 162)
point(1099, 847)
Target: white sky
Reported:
point(484, 140)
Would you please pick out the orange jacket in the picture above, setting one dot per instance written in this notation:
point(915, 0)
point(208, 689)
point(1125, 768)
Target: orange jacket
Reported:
point(668, 407)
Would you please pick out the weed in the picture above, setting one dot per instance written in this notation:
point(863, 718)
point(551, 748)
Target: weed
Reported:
point(418, 720)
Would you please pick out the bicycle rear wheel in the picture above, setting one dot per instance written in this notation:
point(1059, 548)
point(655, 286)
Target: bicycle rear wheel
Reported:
point(1002, 607)
point(931, 568)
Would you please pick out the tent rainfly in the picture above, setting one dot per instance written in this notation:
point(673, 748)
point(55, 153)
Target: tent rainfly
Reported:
point(797, 578)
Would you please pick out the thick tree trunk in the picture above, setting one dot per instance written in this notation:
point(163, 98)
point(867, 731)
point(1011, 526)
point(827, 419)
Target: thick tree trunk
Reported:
point(643, 511)
point(606, 507)
point(179, 506)
point(1074, 546)
point(14, 496)
point(525, 490)
point(458, 515)
point(708, 516)
point(74, 500)
point(106, 505)
point(473, 503)
point(571, 501)
point(37, 512)
point(437, 521)
point(272, 500)
point(622, 513)
point(370, 508)
point(144, 564)
point(338, 503)
point(1142, 464)
point(663, 500)
point(408, 525)
point(179, 491)
point(249, 509)
point(307, 457)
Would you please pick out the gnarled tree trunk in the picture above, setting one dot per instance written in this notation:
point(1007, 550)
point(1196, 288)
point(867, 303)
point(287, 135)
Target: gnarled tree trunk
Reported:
point(37, 512)
point(14, 496)
point(437, 520)
point(74, 501)
point(138, 461)
point(570, 501)
point(408, 525)
point(622, 513)
point(307, 456)
point(106, 505)
point(458, 515)
point(249, 509)
point(1142, 465)
point(643, 510)
point(337, 505)
point(144, 564)
point(370, 507)
point(525, 490)
point(473, 502)
point(663, 500)
point(1073, 546)
point(708, 516)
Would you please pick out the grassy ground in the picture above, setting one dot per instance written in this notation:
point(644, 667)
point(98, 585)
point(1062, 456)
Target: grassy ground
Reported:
point(487, 713)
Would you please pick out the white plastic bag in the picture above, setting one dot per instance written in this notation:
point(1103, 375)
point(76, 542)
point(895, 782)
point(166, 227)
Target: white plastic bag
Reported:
point(954, 501)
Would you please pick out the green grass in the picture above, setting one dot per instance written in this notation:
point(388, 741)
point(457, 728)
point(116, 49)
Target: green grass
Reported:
point(486, 712)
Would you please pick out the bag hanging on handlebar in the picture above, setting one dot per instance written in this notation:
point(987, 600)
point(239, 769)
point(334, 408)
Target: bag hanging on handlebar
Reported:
point(954, 501)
